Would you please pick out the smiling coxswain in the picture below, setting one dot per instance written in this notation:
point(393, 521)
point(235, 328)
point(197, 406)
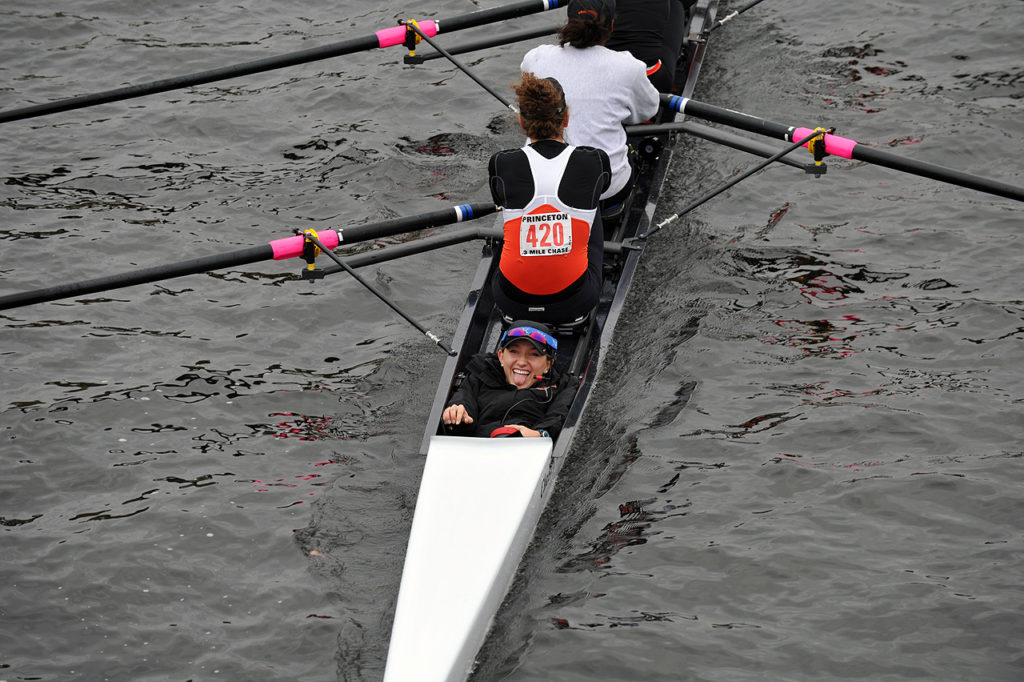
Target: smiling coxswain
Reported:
point(515, 392)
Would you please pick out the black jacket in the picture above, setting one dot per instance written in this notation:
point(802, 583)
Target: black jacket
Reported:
point(492, 402)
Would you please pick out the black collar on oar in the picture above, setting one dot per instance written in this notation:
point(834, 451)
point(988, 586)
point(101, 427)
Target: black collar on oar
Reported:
point(841, 146)
point(310, 236)
point(384, 38)
point(739, 178)
point(414, 33)
point(279, 249)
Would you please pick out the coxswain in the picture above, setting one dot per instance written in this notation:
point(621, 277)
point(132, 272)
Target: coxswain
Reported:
point(516, 392)
point(550, 265)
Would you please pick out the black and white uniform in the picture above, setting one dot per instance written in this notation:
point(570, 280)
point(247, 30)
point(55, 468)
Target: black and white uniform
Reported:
point(520, 179)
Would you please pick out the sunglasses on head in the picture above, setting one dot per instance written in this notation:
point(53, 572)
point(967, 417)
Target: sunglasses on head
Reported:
point(530, 332)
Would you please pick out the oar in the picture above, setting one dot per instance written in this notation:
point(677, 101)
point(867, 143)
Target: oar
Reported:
point(734, 14)
point(387, 228)
point(841, 146)
point(279, 249)
point(387, 37)
point(462, 67)
point(736, 180)
point(373, 290)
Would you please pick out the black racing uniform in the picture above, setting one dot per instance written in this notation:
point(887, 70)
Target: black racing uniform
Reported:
point(492, 402)
point(586, 177)
point(651, 30)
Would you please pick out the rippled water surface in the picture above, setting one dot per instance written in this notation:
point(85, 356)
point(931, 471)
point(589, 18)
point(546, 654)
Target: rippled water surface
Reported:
point(804, 462)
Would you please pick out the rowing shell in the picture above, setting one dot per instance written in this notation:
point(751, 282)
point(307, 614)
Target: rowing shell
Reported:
point(480, 499)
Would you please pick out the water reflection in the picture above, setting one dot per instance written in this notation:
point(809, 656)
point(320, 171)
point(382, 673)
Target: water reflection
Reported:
point(633, 527)
point(815, 338)
point(820, 280)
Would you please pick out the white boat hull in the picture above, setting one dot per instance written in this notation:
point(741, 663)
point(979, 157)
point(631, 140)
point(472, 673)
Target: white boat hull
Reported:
point(477, 509)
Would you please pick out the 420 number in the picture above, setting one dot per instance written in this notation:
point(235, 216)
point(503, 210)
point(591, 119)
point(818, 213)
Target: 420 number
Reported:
point(545, 234)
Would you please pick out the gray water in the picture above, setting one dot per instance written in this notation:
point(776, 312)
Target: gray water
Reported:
point(804, 460)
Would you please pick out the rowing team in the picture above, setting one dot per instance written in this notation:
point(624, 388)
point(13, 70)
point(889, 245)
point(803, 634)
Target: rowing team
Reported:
point(608, 70)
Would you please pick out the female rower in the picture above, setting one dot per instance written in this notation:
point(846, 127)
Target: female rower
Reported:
point(604, 88)
point(515, 393)
point(550, 266)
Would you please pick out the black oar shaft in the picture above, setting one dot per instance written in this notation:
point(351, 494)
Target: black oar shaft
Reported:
point(736, 119)
point(478, 18)
point(936, 172)
point(276, 249)
point(189, 80)
point(388, 228)
point(489, 16)
point(127, 279)
point(843, 147)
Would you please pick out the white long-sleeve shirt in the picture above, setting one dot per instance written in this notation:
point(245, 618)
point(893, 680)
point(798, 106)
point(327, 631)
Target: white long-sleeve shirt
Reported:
point(604, 90)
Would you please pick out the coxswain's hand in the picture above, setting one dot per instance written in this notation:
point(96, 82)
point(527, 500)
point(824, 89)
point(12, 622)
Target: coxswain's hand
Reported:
point(525, 431)
point(456, 414)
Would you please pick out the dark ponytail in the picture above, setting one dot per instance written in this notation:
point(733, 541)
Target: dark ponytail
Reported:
point(586, 30)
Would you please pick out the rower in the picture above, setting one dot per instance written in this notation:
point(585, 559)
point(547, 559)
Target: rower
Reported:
point(604, 88)
point(652, 31)
point(550, 264)
point(515, 392)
